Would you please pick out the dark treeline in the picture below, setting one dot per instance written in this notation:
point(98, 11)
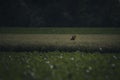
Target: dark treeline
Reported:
point(55, 13)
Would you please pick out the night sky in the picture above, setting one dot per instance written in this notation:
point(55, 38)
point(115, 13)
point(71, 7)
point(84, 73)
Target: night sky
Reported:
point(59, 13)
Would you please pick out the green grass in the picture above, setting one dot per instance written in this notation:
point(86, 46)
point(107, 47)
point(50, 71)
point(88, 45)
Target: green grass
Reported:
point(53, 30)
point(59, 66)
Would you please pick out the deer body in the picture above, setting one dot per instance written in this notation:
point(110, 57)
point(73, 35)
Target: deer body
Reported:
point(73, 37)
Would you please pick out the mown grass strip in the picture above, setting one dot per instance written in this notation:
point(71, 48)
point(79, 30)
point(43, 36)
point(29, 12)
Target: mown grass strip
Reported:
point(60, 42)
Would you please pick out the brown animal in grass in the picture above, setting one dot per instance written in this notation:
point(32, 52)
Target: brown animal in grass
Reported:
point(73, 37)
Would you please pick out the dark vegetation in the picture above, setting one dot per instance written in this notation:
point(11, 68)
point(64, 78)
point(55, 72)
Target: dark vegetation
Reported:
point(60, 13)
point(51, 48)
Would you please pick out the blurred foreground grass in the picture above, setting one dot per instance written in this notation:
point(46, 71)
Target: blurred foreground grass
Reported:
point(59, 66)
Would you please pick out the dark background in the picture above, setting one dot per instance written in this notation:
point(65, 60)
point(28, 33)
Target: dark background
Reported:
point(63, 13)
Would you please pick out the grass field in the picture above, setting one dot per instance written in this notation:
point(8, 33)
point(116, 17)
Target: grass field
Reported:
point(49, 54)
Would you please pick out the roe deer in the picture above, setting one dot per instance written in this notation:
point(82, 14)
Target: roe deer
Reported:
point(73, 37)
